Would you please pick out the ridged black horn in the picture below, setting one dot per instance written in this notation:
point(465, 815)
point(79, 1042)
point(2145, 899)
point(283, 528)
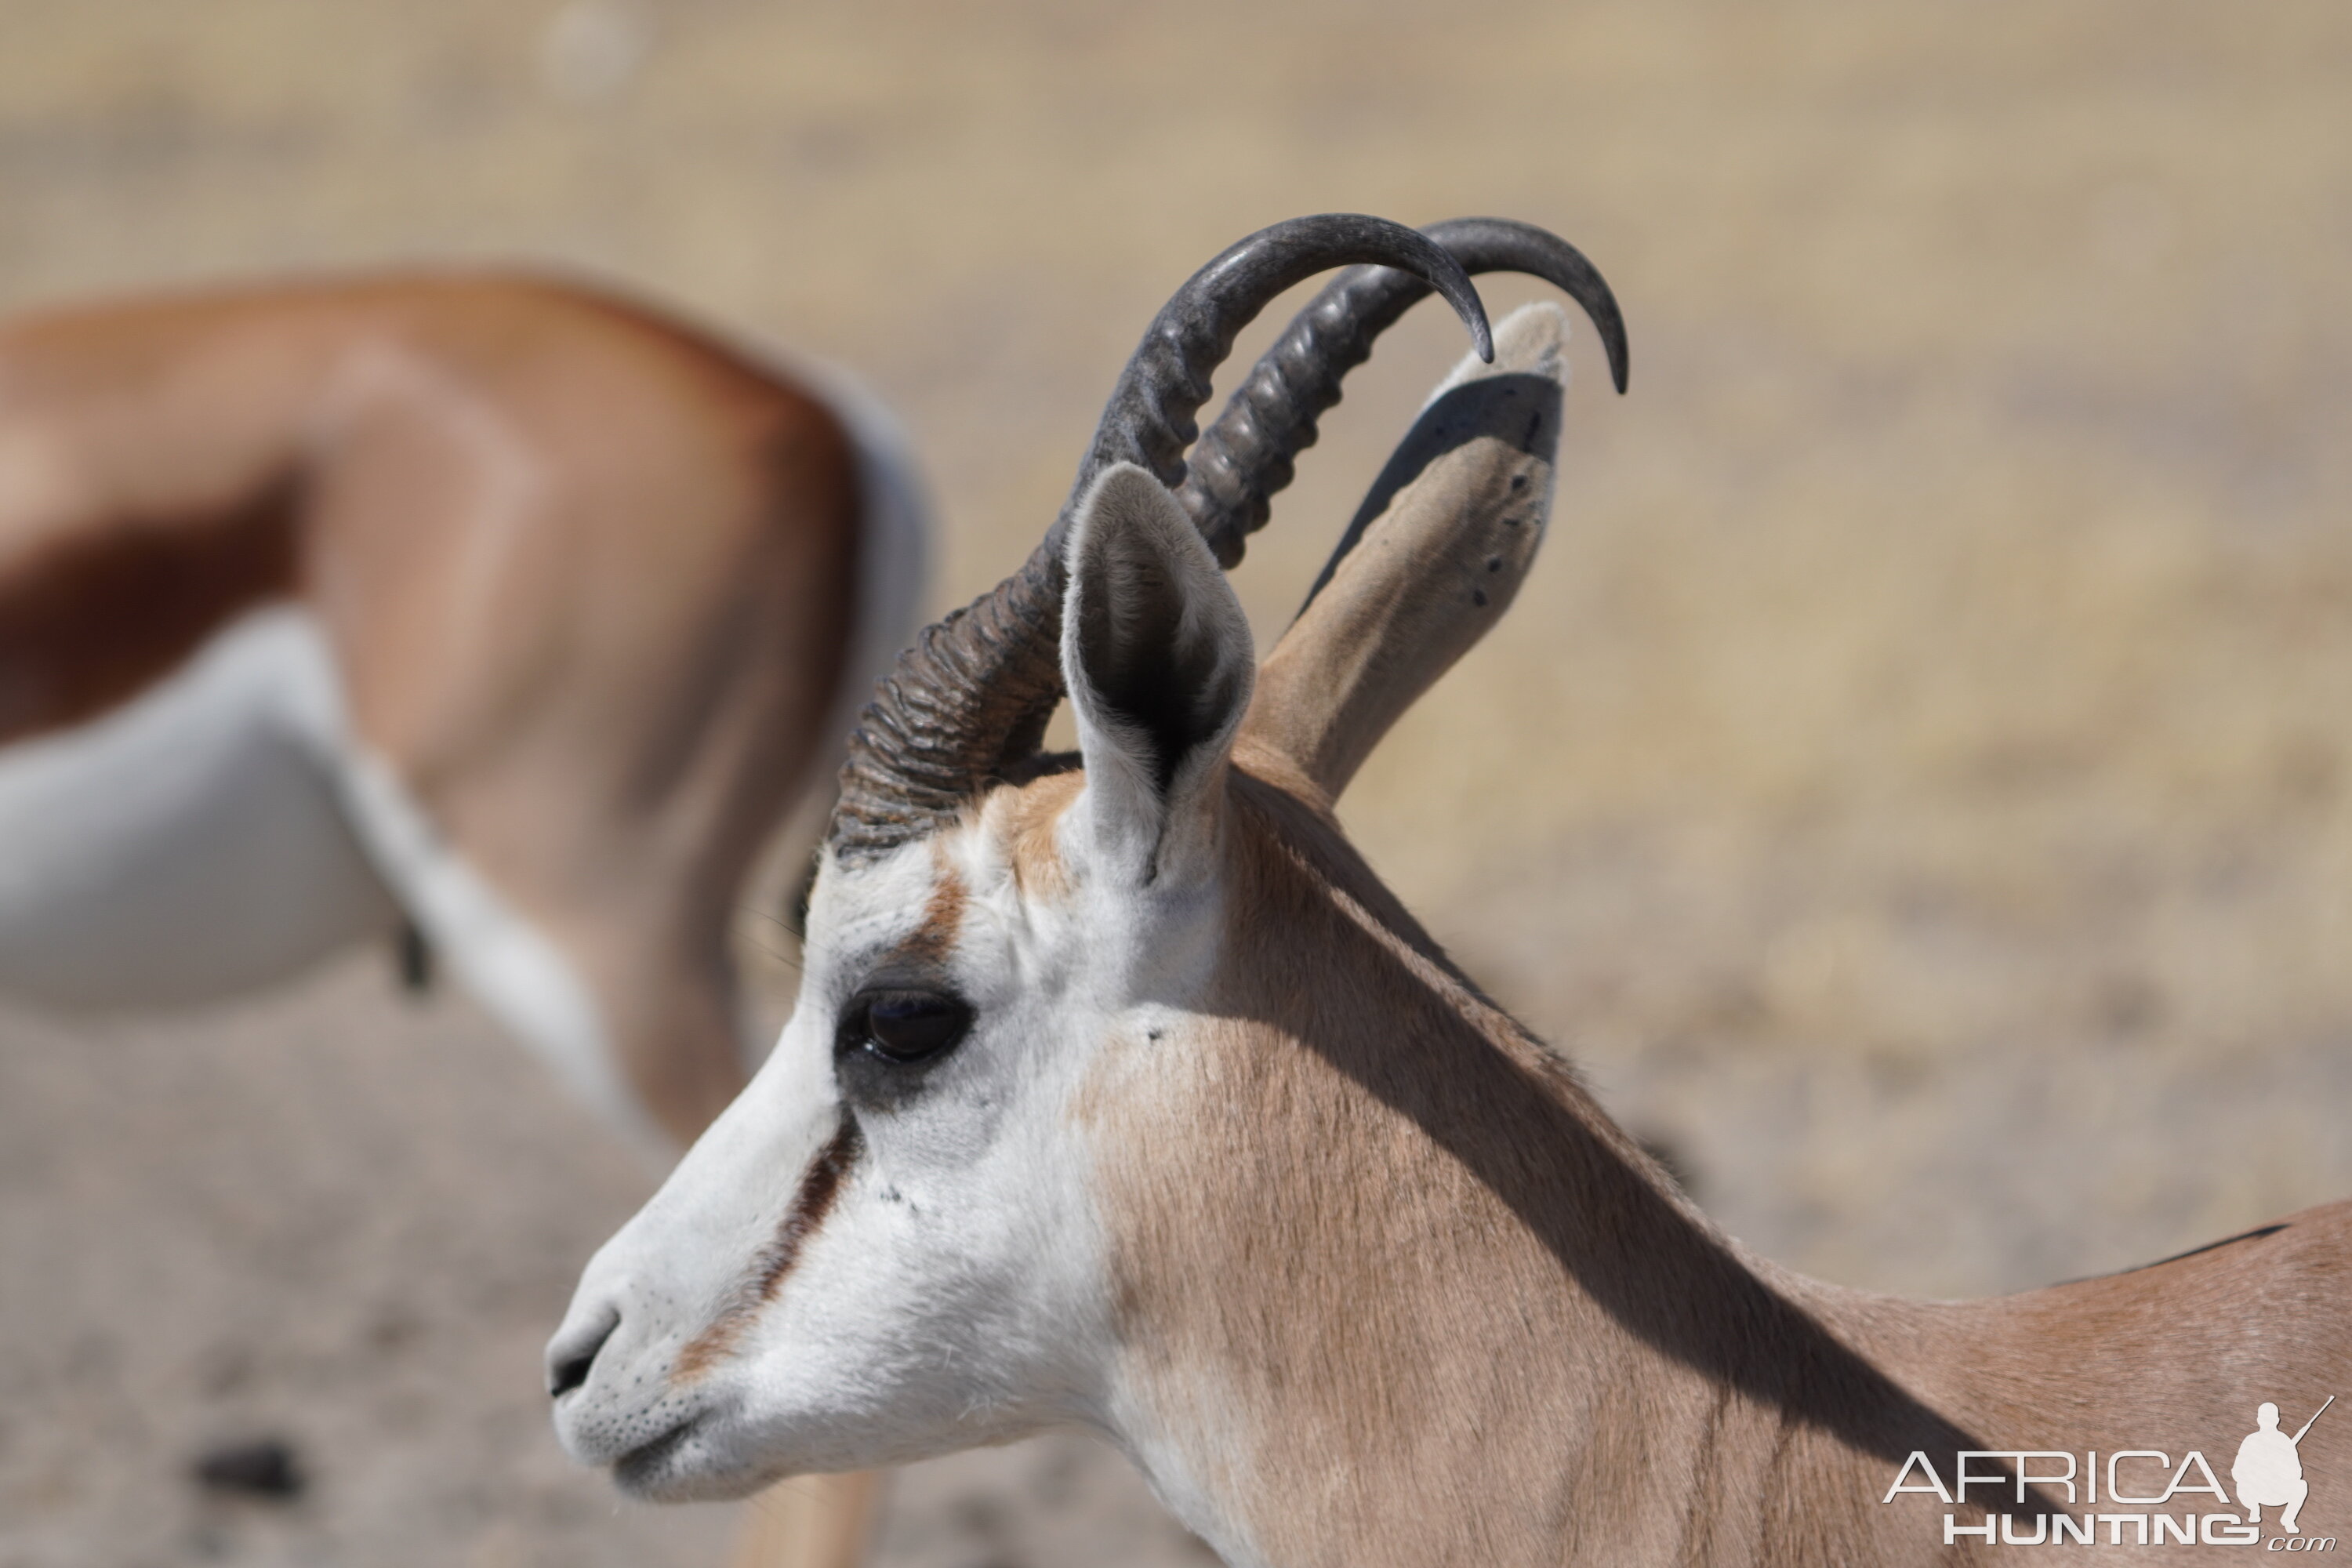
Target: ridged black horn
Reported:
point(1245, 458)
point(974, 692)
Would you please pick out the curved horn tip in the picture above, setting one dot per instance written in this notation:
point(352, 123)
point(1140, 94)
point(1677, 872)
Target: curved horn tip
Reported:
point(1482, 331)
point(1452, 279)
point(1612, 338)
point(1496, 244)
point(1473, 311)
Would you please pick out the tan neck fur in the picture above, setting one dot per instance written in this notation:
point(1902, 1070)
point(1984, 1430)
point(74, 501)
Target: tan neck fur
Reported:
point(1400, 1292)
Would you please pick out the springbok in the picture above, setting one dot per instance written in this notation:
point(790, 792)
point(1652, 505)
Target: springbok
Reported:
point(1120, 1094)
point(495, 602)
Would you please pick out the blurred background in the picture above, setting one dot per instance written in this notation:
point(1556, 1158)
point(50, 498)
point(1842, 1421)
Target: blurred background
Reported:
point(1917, 783)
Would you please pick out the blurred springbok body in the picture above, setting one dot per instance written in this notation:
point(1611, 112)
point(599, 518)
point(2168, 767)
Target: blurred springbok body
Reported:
point(489, 601)
point(1120, 1094)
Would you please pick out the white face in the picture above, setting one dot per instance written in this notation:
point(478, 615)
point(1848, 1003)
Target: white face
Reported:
point(887, 1247)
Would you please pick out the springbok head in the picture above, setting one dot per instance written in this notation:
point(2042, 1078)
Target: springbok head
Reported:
point(903, 1238)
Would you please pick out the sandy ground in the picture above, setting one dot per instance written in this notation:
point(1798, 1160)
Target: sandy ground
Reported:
point(1915, 783)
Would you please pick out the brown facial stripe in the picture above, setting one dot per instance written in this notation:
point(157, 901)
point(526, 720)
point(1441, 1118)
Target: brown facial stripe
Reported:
point(934, 938)
point(95, 620)
point(819, 1187)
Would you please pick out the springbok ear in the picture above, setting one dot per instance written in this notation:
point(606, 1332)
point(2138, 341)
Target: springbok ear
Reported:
point(1435, 556)
point(1157, 656)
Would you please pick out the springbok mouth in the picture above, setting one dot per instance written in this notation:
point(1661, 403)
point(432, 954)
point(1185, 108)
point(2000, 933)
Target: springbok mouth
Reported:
point(639, 1472)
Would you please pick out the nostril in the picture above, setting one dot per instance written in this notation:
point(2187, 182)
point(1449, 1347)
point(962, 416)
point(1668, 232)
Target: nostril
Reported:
point(566, 1375)
point(574, 1353)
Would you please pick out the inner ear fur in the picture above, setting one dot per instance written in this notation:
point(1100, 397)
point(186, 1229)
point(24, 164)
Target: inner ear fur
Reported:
point(1156, 652)
point(1435, 555)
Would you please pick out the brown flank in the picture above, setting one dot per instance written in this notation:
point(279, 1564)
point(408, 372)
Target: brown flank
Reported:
point(100, 615)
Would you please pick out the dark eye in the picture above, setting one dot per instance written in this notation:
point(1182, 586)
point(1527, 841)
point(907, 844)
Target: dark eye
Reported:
point(905, 1025)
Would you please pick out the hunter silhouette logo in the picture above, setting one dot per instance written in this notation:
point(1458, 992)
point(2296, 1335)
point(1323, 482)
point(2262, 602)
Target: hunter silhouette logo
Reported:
point(2266, 1473)
point(2269, 1471)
